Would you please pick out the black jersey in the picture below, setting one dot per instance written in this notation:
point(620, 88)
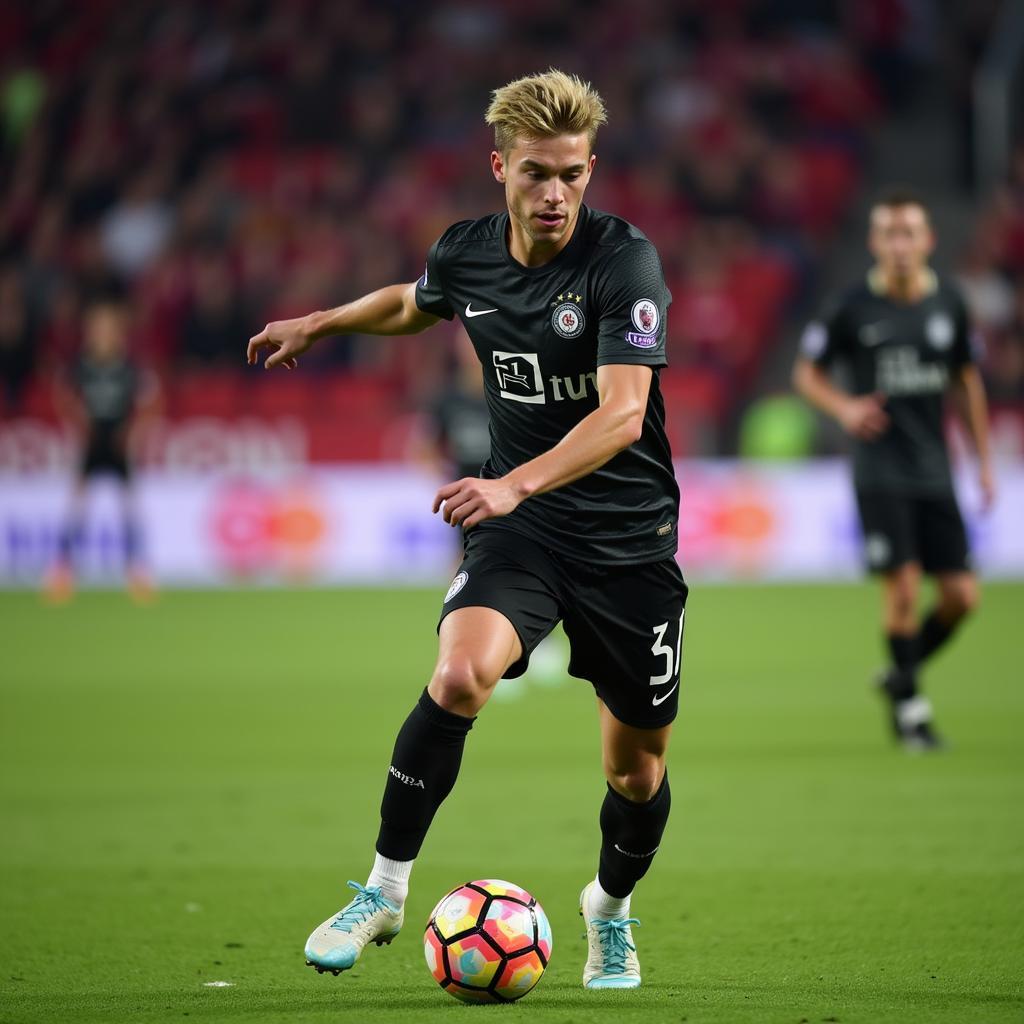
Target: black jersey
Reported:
point(540, 334)
point(908, 352)
point(108, 389)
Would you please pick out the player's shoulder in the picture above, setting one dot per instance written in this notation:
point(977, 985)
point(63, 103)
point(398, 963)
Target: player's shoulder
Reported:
point(949, 292)
point(482, 230)
point(606, 231)
point(619, 251)
point(855, 295)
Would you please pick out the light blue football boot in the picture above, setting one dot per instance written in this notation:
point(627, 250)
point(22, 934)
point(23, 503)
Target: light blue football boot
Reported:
point(335, 946)
point(611, 956)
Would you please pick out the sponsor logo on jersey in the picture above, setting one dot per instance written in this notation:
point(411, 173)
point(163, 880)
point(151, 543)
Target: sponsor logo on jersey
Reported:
point(900, 371)
point(461, 579)
point(644, 315)
point(939, 331)
point(641, 340)
point(568, 320)
point(519, 378)
point(574, 390)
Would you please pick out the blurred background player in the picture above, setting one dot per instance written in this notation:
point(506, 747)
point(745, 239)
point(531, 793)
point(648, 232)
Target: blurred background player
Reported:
point(903, 336)
point(458, 439)
point(106, 399)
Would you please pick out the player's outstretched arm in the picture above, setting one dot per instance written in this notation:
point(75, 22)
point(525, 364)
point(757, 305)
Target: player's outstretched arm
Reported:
point(969, 397)
point(613, 426)
point(390, 310)
point(862, 416)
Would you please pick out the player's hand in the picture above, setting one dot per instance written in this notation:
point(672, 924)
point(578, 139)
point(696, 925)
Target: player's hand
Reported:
point(865, 417)
point(287, 340)
point(471, 500)
point(987, 485)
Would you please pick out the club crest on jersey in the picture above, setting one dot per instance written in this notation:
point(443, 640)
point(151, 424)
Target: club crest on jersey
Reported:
point(568, 320)
point(939, 331)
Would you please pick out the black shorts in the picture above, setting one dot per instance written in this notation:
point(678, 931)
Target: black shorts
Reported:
point(624, 622)
point(105, 452)
point(902, 528)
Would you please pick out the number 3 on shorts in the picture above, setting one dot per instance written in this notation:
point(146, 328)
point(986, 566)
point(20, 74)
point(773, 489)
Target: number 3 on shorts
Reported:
point(660, 649)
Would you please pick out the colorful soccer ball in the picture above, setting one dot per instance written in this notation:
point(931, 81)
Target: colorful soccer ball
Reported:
point(487, 942)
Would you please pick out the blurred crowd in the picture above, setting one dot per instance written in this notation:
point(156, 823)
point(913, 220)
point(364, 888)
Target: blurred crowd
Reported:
point(992, 277)
point(227, 164)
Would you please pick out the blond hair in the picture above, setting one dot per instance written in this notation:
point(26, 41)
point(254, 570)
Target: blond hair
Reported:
point(540, 106)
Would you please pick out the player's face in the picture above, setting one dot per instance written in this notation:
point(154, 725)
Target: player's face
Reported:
point(901, 239)
point(544, 183)
point(104, 332)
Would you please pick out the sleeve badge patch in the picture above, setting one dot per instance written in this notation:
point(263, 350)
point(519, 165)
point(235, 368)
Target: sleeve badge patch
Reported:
point(645, 316)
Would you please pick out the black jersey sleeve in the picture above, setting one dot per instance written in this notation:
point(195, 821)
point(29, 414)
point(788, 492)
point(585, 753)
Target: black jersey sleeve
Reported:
point(430, 296)
point(826, 338)
point(632, 307)
point(966, 344)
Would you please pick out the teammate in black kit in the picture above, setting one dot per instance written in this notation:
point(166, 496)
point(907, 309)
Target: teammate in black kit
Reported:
point(460, 429)
point(104, 397)
point(573, 518)
point(904, 337)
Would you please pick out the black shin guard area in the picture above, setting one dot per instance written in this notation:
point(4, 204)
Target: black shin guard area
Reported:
point(423, 770)
point(902, 684)
point(630, 835)
point(932, 635)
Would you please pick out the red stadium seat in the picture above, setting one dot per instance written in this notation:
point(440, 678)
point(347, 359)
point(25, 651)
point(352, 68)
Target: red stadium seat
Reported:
point(351, 395)
point(698, 392)
point(204, 393)
point(281, 393)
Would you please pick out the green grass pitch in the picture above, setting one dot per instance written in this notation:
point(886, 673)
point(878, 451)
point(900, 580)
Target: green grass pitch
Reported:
point(186, 788)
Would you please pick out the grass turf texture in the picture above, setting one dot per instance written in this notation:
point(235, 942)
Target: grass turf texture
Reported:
point(186, 788)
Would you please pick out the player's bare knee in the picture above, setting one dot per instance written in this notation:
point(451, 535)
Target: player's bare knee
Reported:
point(458, 682)
point(960, 600)
point(901, 607)
point(639, 783)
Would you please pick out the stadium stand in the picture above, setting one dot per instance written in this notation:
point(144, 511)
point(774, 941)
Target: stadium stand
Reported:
point(232, 163)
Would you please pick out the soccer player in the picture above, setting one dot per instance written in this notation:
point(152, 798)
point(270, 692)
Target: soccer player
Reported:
point(573, 517)
point(104, 398)
point(904, 338)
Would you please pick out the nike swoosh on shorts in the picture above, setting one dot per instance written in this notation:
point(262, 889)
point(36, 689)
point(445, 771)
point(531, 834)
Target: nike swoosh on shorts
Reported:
point(477, 312)
point(664, 697)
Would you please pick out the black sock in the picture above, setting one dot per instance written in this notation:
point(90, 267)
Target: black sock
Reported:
point(630, 834)
point(423, 770)
point(932, 635)
point(902, 684)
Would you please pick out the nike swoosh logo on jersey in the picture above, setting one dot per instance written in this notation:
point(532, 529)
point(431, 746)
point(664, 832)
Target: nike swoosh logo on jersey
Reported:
point(477, 312)
point(664, 697)
point(875, 334)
